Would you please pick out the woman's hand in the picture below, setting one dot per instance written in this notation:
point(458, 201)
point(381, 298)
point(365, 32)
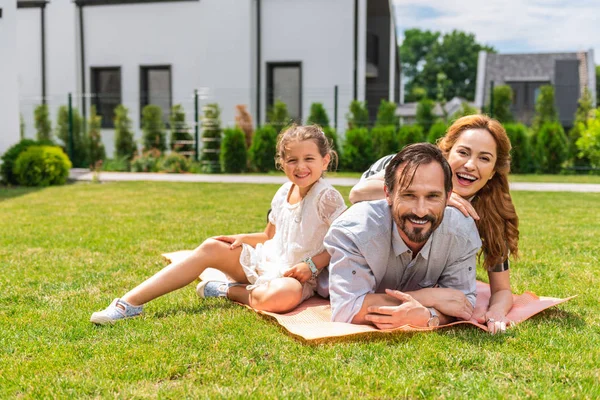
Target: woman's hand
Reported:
point(234, 241)
point(463, 205)
point(301, 272)
point(496, 322)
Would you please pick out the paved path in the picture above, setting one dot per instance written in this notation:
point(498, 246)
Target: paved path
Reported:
point(85, 175)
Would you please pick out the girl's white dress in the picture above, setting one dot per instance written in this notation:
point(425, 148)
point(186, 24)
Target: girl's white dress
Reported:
point(299, 232)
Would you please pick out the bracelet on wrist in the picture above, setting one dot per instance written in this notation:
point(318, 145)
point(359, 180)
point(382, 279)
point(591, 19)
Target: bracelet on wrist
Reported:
point(313, 268)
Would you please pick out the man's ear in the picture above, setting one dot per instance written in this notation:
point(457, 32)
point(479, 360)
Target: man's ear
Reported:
point(387, 195)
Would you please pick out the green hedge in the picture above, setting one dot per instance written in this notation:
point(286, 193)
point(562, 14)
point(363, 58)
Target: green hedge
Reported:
point(262, 150)
point(358, 150)
point(42, 166)
point(10, 157)
point(233, 150)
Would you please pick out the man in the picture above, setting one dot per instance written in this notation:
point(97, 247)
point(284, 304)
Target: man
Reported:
point(390, 257)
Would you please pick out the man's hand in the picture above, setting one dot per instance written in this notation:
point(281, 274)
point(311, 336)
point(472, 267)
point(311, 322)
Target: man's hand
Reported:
point(301, 272)
point(409, 312)
point(450, 302)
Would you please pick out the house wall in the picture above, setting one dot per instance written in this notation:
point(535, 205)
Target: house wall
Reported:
point(9, 88)
point(320, 35)
point(204, 50)
point(29, 61)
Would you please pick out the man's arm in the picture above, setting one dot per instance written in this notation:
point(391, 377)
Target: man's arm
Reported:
point(370, 188)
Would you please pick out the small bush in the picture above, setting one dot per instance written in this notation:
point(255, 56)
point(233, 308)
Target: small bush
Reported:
point(318, 116)
point(384, 141)
point(262, 151)
point(79, 156)
point(42, 166)
point(588, 143)
point(521, 154)
point(278, 115)
point(179, 129)
point(96, 150)
point(147, 162)
point(503, 99)
point(386, 115)
point(42, 122)
point(233, 151)
point(211, 138)
point(174, 163)
point(436, 131)
point(7, 169)
point(425, 115)
point(551, 147)
point(118, 164)
point(154, 136)
point(125, 146)
point(358, 153)
point(409, 134)
point(358, 115)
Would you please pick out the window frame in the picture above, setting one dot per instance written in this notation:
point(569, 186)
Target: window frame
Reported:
point(144, 93)
point(271, 66)
point(107, 123)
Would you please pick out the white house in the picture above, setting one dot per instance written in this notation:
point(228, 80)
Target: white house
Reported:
point(138, 52)
point(9, 89)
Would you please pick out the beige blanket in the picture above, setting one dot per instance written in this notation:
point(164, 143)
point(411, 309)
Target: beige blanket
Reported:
point(311, 320)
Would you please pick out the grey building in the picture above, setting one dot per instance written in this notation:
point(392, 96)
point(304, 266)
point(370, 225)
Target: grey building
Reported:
point(569, 73)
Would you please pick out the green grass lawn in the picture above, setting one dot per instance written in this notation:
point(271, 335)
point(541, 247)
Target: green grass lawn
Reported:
point(68, 251)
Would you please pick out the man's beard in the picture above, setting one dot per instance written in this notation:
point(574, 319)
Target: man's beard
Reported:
point(417, 235)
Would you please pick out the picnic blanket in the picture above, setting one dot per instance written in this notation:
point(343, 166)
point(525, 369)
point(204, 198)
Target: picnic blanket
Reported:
point(311, 320)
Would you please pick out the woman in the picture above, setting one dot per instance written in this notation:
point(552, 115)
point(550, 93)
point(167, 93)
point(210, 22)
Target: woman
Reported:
point(478, 151)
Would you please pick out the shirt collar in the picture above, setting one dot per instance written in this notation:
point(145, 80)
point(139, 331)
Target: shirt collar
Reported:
point(400, 247)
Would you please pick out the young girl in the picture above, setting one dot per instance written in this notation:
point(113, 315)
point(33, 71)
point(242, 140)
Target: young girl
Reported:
point(280, 264)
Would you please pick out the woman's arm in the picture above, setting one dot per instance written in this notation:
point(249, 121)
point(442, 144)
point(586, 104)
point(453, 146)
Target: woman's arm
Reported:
point(370, 188)
point(501, 301)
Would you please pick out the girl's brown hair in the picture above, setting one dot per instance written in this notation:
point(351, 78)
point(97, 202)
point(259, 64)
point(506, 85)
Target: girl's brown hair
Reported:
point(498, 223)
point(301, 133)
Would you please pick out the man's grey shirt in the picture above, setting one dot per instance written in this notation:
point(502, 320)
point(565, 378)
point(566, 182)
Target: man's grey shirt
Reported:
point(368, 256)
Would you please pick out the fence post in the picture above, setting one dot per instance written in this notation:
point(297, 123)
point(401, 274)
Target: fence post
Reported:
point(196, 126)
point(70, 141)
point(492, 99)
point(335, 107)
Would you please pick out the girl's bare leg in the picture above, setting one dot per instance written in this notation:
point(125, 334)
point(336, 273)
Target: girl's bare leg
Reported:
point(210, 254)
point(279, 295)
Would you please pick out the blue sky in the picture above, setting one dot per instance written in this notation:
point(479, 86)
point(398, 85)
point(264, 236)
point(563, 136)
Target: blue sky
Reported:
point(510, 26)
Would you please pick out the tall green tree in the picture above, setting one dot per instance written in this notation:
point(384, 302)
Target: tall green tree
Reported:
point(582, 115)
point(425, 54)
point(597, 84)
point(125, 146)
point(503, 97)
point(153, 128)
point(42, 122)
point(79, 156)
point(425, 116)
point(318, 115)
point(96, 150)
point(545, 108)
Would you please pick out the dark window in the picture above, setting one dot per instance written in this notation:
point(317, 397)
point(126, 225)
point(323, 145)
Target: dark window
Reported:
point(284, 82)
point(373, 49)
point(106, 93)
point(113, 2)
point(155, 88)
point(525, 94)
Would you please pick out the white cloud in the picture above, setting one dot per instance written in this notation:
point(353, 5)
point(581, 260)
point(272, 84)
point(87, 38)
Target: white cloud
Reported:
point(510, 25)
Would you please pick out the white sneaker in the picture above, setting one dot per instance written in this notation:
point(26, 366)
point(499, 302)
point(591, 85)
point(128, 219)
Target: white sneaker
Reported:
point(118, 309)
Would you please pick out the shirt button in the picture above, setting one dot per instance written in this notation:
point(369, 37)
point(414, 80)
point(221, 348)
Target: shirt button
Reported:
point(353, 272)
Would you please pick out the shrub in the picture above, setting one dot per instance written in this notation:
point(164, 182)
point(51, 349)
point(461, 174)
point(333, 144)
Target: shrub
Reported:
point(464, 110)
point(125, 146)
point(551, 147)
point(503, 98)
point(10, 157)
point(358, 115)
point(243, 120)
point(409, 134)
point(425, 116)
point(358, 153)
point(386, 115)
point(153, 128)
point(211, 138)
point(436, 131)
point(278, 116)
point(233, 151)
point(521, 154)
point(42, 122)
point(173, 163)
point(588, 143)
point(79, 155)
point(96, 150)
point(545, 109)
point(582, 115)
point(318, 116)
point(262, 150)
point(147, 162)
point(42, 166)
point(118, 164)
point(179, 129)
point(384, 141)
